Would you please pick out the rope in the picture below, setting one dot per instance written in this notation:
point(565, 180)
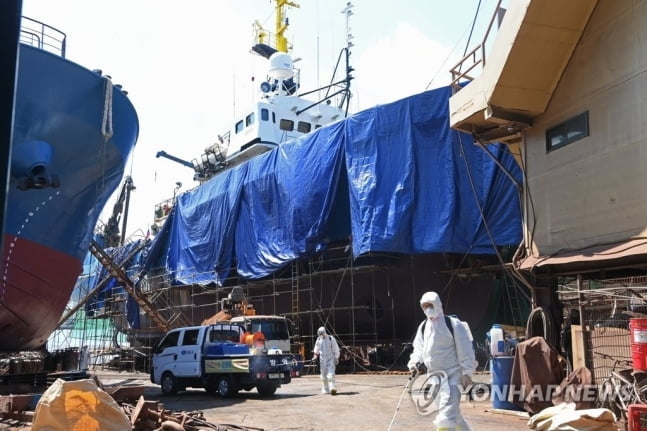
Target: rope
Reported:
point(106, 129)
point(106, 123)
point(469, 38)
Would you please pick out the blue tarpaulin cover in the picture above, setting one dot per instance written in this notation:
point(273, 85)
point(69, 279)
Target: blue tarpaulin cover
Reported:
point(394, 177)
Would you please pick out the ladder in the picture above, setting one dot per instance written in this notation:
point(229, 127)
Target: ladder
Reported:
point(295, 288)
point(295, 341)
point(120, 275)
point(98, 288)
point(161, 301)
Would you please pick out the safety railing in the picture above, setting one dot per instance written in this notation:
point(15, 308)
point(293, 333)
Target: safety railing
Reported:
point(42, 36)
point(474, 58)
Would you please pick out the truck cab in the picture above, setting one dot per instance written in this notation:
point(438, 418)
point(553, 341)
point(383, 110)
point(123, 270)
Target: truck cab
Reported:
point(274, 328)
point(212, 357)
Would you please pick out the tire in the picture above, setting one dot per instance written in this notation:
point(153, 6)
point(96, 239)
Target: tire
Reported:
point(608, 399)
point(266, 389)
point(225, 387)
point(641, 390)
point(212, 386)
point(169, 384)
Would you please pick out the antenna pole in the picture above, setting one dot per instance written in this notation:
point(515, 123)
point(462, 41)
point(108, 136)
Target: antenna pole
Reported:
point(349, 44)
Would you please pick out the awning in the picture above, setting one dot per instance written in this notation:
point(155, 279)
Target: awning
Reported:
point(630, 252)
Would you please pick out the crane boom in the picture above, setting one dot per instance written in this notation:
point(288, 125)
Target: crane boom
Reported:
point(175, 159)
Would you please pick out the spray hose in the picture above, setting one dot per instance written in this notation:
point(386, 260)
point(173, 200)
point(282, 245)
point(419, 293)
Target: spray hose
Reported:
point(407, 388)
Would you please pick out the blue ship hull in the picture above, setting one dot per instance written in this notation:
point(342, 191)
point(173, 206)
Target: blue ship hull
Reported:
point(72, 136)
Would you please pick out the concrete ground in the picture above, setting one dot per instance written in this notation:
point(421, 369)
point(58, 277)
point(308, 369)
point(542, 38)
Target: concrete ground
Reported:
point(366, 402)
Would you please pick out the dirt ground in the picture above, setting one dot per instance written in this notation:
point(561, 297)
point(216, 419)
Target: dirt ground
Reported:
point(366, 402)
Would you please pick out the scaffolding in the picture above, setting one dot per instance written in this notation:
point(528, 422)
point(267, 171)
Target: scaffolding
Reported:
point(596, 314)
point(310, 293)
point(89, 320)
point(370, 303)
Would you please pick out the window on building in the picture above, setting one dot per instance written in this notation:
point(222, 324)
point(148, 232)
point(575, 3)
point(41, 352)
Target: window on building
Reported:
point(287, 125)
point(304, 127)
point(567, 132)
point(239, 126)
point(249, 120)
point(265, 114)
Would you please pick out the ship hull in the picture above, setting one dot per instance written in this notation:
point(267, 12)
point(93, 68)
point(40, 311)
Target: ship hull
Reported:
point(34, 290)
point(75, 132)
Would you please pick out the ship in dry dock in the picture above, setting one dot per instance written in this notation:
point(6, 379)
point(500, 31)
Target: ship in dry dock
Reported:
point(73, 131)
point(552, 110)
point(329, 220)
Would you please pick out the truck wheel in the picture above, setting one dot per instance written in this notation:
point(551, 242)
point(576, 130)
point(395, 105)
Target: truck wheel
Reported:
point(211, 387)
point(225, 387)
point(168, 384)
point(266, 389)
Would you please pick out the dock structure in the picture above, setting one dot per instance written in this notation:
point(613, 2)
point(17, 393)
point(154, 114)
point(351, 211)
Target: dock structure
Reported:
point(345, 228)
point(370, 304)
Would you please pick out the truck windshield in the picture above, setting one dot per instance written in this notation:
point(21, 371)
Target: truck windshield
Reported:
point(273, 330)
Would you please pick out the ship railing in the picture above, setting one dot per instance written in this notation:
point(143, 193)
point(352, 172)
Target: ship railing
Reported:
point(472, 61)
point(266, 37)
point(42, 36)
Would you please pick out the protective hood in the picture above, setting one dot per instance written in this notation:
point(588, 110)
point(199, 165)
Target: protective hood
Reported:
point(321, 331)
point(432, 297)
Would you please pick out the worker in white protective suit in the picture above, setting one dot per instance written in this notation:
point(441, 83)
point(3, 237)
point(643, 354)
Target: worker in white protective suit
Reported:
point(327, 350)
point(451, 352)
point(84, 358)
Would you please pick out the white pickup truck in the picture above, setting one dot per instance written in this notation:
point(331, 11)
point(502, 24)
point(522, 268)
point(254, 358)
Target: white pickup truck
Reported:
point(212, 357)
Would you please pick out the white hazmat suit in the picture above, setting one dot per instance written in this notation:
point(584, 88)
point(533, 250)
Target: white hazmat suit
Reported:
point(327, 350)
point(453, 354)
point(84, 358)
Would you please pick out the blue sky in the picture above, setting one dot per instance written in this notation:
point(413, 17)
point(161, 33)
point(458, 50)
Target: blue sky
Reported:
point(187, 66)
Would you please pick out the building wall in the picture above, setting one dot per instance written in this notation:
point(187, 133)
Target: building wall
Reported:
point(594, 190)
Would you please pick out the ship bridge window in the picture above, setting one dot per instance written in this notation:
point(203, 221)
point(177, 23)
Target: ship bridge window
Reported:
point(249, 120)
point(239, 126)
point(265, 114)
point(287, 125)
point(304, 127)
point(567, 132)
point(274, 117)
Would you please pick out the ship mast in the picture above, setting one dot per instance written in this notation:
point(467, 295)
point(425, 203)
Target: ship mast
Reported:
point(268, 43)
point(282, 24)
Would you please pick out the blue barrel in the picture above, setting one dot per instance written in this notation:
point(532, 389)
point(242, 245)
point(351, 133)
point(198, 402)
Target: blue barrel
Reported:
point(501, 372)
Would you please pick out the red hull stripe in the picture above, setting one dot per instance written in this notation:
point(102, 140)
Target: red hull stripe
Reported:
point(36, 285)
